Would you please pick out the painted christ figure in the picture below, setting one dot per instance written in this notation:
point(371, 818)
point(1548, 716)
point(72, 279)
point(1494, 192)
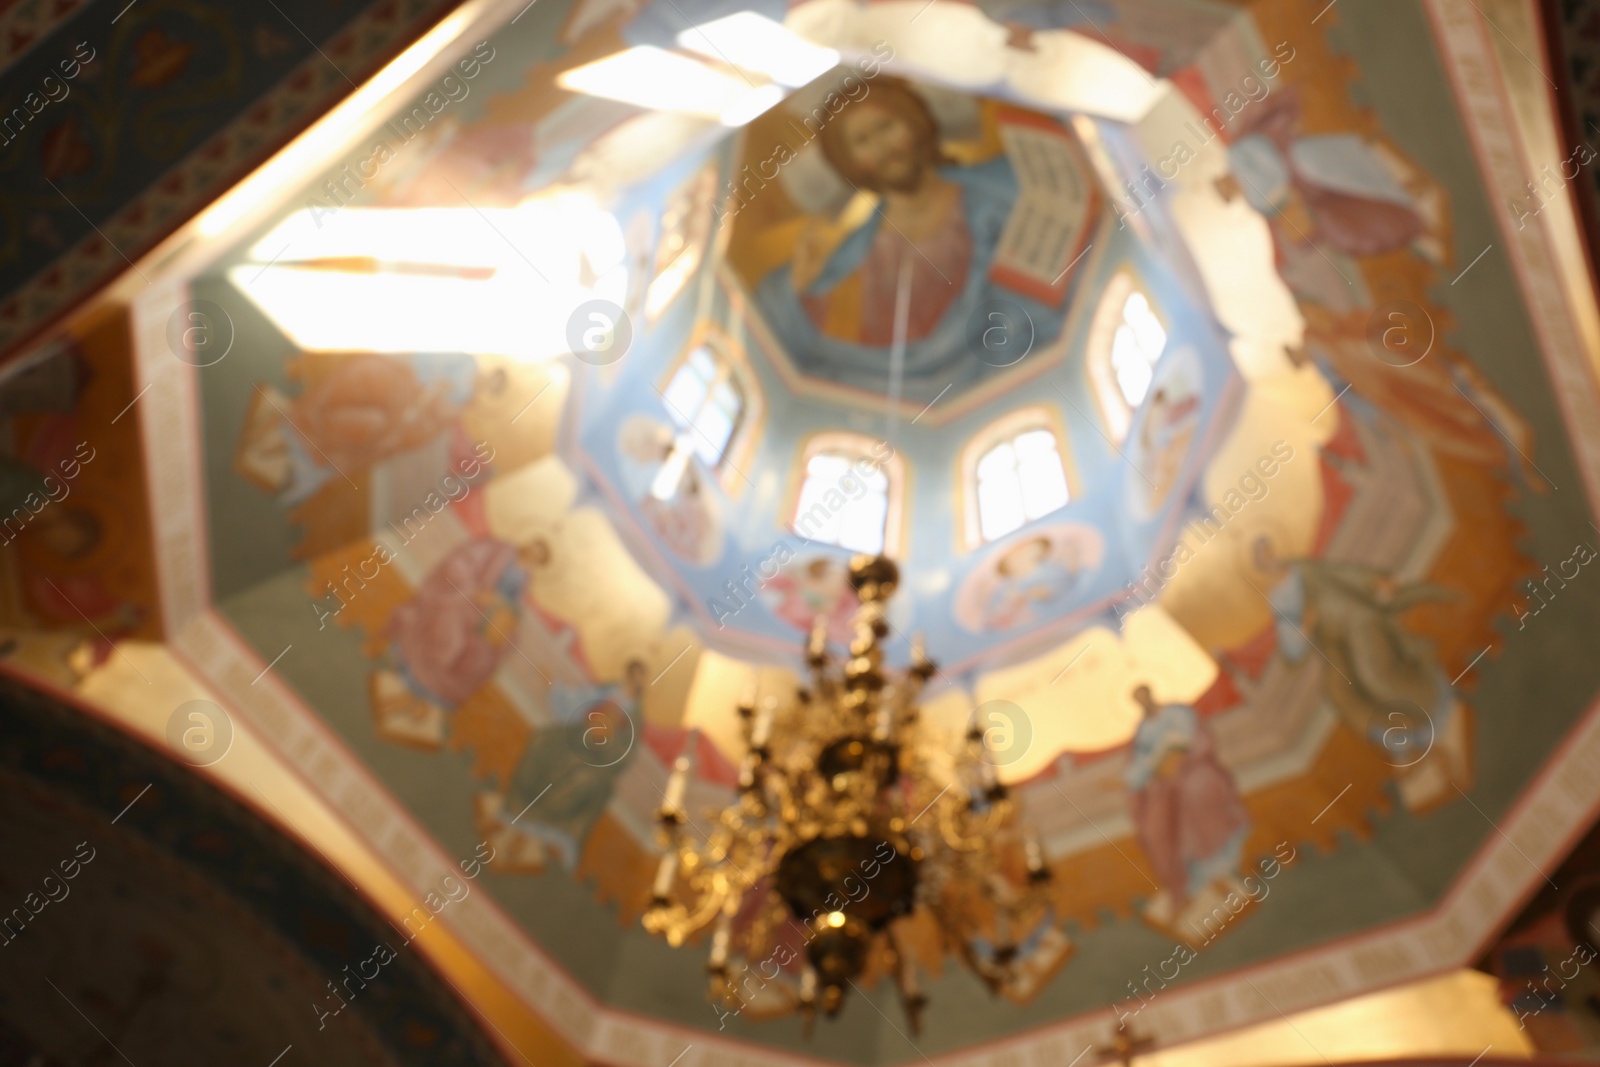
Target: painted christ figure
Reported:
point(933, 236)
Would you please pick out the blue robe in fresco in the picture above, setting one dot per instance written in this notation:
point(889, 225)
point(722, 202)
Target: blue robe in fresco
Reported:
point(946, 355)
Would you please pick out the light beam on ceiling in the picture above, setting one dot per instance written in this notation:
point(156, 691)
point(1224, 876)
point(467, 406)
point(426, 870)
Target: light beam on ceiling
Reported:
point(756, 43)
point(659, 80)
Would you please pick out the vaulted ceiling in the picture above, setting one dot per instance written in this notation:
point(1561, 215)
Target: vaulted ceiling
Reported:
point(1317, 370)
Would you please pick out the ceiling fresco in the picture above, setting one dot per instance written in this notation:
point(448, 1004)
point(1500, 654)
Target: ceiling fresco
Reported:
point(77, 509)
point(829, 292)
point(752, 580)
point(544, 425)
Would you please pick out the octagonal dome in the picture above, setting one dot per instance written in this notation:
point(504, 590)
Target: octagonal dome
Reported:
point(1155, 353)
point(744, 462)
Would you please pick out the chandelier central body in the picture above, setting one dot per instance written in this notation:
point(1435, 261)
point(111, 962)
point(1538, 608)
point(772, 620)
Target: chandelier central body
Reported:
point(851, 816)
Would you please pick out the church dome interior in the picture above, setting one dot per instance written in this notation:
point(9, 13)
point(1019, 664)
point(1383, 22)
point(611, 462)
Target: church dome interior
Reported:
point(500, 470)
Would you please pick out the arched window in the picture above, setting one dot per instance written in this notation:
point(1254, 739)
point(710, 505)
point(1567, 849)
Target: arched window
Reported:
point(1125, 343)
point(1136, 347)
point(1011, 472)
point(849, 493)
point(685, 233)
point(706, 404)
point(1020, 479)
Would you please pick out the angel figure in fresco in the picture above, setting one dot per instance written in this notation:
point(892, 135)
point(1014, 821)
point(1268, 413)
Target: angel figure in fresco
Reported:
point(818, 586)
point(1186, 810)
point(680, 510)
point(369, 408)
point(934, 233)
point(567, 773)
point(1447, 402)
point(449, 639)
point(489, 164)
point(1024, 969)
point(1028, 576)
point(1383, 681)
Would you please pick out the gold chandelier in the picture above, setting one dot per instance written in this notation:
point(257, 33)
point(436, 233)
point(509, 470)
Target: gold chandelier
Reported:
point(853, 824)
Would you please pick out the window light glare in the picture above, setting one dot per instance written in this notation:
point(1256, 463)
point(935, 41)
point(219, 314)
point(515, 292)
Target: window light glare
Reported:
point(1131, 368)
point(670, 476)
point(1136, 348)
point(706, 403)
point(500, 280)
point(669, 282)
point(1019, 480)
point(686, 392)
point(1146, 327)
point(856, 522)
point(757, 43)
point(752, 104)
point(657, 80)
point(388, 235)
point(388, 311)
point(548, 232)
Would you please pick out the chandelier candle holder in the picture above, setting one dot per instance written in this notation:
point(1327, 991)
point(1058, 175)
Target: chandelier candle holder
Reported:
point(852, 822)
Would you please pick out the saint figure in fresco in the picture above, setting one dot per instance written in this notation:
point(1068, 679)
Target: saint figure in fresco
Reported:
point(1384, 681)
point(1334, 189)
point(1186, 807)
point(451, 636)
point(570, 767)
point(933, 232)
point(1449, 403)
point(369, 408)
point(488, 163)
point(1325, 195)
point(1169, 426)
point(683, 519)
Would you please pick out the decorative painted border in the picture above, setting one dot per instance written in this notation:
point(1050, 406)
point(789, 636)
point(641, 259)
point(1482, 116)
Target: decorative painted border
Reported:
point(1533, 835)
point(207, 171)
point(268, 891)
point(1506, 164)
point(28, 22)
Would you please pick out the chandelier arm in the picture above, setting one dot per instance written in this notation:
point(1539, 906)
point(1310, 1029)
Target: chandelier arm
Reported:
point(677, 921)
point(788, 811)
point(758, 936)
point(671, 921)
point(978, 838)
point(741, 855)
